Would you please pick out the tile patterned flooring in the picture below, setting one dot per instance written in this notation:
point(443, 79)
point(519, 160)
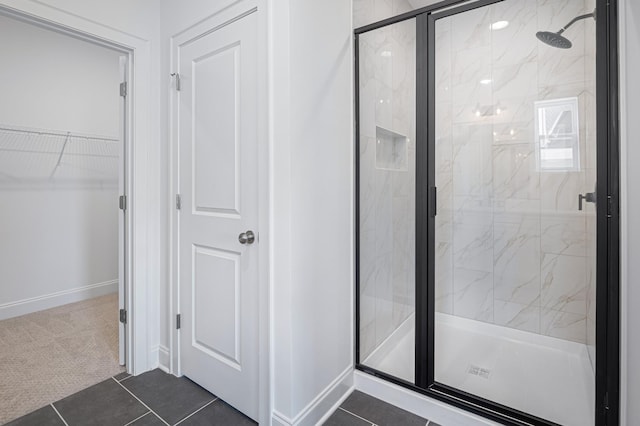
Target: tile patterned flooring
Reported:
point(360, 409)
point(159, 399)
point(150, 399)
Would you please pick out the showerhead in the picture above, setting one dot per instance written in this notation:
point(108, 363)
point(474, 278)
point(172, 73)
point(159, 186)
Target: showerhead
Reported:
point(554, 39)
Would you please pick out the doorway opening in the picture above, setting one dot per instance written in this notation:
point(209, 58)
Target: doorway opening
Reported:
point(63, 215)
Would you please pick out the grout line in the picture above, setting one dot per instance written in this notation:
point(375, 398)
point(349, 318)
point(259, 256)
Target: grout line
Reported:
point(140, 401)
point(201, 408)
point(138, 418)
point(59, 415)
point(122, 380)
point(355, 415)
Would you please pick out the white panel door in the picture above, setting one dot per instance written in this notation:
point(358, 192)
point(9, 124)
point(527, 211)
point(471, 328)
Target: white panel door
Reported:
point(219, 202)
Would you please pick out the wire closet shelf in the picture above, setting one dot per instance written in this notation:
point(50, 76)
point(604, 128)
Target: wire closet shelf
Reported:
point(32, 158)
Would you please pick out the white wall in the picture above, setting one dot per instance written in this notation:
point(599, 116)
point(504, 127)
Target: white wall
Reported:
point(312, 210)
point(55, 82)
point(66, 246)
point(55, 239)
point(630, 127)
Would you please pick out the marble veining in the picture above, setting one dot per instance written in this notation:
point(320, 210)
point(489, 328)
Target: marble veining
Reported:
point(517, 315)
point(563, 325)
point(473, 294)
point(387, 186)
point(515, 81)
point(511, 246)
point(517, 280)
point(564, 283)
point(564, 233)
point(511, 234)
point(514, 172)
point(522, 16)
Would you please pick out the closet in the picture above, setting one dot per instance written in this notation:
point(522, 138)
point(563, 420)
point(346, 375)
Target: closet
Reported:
point(61, 174)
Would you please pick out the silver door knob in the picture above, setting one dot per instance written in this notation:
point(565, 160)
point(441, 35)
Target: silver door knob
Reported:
point(247, 237)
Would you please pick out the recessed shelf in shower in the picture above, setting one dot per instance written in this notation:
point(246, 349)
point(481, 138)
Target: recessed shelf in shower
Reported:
point(391, 150)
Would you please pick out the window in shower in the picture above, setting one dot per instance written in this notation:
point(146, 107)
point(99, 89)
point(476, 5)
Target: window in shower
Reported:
point(482, 255)
point(557, 135)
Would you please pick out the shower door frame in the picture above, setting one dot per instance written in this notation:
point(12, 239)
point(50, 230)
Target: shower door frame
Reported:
point(607, 369)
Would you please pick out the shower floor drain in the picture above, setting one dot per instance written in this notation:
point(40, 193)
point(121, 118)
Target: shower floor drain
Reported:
point(479, 371)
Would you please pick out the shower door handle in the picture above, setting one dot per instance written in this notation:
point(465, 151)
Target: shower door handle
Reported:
point(589, 197)
point(433, 201)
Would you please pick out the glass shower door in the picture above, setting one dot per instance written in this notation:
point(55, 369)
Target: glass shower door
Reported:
point(386, 199)
point(514, 241)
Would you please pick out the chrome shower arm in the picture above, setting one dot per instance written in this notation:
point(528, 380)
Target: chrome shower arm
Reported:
point(576, 19)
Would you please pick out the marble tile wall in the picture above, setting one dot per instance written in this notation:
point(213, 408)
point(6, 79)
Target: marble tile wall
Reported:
point(512, 247)
point(387, 200)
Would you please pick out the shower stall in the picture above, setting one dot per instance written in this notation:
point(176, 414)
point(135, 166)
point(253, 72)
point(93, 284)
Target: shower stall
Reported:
point(487, 207)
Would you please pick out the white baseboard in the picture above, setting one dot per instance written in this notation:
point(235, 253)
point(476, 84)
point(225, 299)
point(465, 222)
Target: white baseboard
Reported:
point(337, 404)
point(416, 403)
point(280, 420)
point(163, 358)
point(48, 301)
point(322, 405)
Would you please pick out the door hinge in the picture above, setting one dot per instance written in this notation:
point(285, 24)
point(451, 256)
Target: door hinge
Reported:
point(123, 316)
point(178, 202)
point(123, 202)
point(609, 206)
point(177, 76)
point(123, 89)
point(178, 322)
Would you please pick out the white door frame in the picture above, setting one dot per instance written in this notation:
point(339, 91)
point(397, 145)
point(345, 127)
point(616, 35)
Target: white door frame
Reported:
point(137, 167)
point(206, 26)
point(123, 216)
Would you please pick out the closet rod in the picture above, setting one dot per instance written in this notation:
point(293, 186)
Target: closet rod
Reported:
point(37, 132)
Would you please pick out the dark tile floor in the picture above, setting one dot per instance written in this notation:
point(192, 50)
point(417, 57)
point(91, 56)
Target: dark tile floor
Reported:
point(152, 398)
point(157, 398)
point(360, 409)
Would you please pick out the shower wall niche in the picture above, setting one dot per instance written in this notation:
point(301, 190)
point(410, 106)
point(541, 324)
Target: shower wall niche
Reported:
point(387, 183)
point(391, 150)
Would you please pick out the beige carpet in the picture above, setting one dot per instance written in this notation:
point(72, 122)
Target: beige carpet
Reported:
point(48, 355)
